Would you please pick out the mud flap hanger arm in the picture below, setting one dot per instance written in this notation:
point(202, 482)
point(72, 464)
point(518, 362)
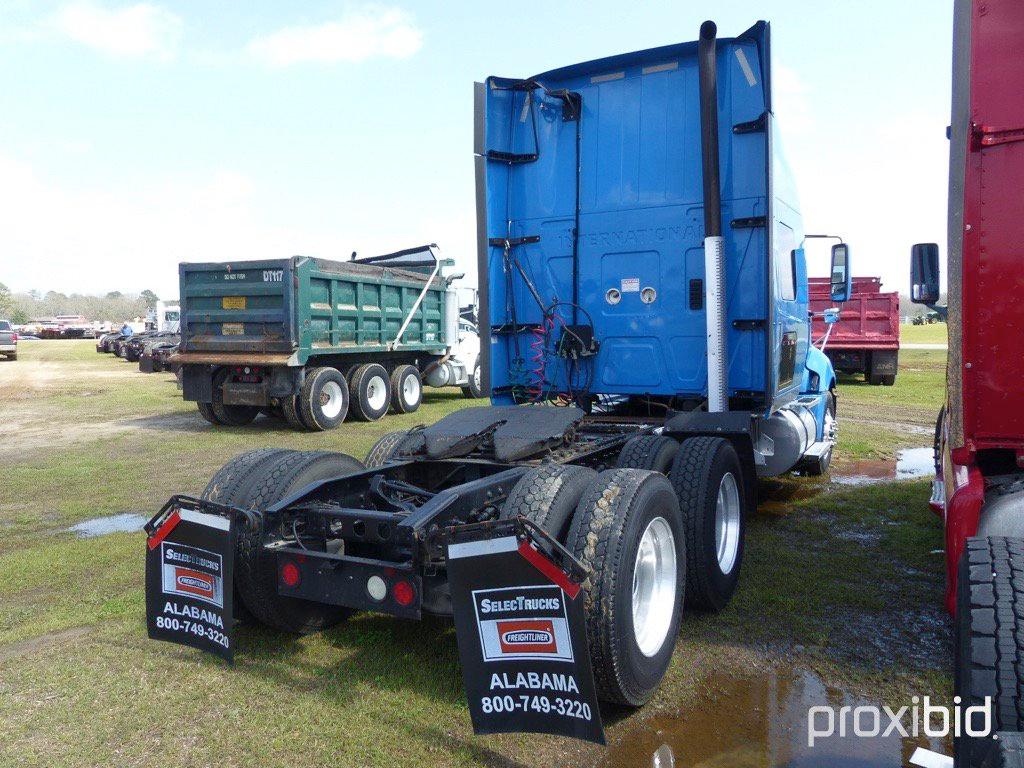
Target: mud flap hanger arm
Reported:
point(525, 530)
point(179, 502)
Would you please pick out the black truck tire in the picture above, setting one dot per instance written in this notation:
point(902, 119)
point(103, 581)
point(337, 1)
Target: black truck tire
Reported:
point(206, 411)
point(371, 392)
point(714, 512)
point(654, 452)
point(937, 444)
point(989, 639)
point(386, 448)
point(323, 401)
point(292, 415)
point(474, 390)
point(256, 570)
point(548, 495)
point(620, 509)
point(406, 389)
point(231, 482)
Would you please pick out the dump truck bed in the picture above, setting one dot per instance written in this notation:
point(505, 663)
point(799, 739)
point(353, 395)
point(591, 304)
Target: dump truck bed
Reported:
point(293, 309)
point(869, 320)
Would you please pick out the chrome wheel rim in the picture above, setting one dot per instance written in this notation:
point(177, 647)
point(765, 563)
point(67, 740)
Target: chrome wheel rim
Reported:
point(654, 586)
point(727, 523)
point(376, 393)
point(331, 399)
point(476, 378)
point(411, 389)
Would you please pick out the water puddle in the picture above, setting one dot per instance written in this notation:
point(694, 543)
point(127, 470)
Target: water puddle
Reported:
point(909, 464)
point(762, 722)
point(101, 526)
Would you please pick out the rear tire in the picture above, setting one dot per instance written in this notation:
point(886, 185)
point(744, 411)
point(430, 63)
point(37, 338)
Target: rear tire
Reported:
point(324, 400)
point(387, 448)
point(371, 392)
point(548, 495)
point(406, 389)
point(292, 414)
point(206, 411)
point(990, 583)
point(653, 452)
point(714, 516)
point(230, 415)
point(630, 642)
point(256, 569)
point(474, 390)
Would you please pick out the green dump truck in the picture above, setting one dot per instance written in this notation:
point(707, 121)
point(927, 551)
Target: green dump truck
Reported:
point(313, 341)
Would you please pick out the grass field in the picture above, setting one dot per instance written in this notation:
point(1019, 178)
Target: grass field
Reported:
point(839, 580)
point(923, 334)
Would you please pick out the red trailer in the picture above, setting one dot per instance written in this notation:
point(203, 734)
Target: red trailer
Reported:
point(866, 339)
point(980, 434)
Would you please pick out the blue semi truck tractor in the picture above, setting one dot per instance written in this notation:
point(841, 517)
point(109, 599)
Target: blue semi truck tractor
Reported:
point(644, 321)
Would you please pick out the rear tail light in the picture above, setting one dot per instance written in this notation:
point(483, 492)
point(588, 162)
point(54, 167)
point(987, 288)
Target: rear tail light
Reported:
point(14, 337)
point(290, 574)
point(403, 593)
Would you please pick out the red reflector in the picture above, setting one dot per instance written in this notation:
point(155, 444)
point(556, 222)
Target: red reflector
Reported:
point(403, 593)
point(290, 574)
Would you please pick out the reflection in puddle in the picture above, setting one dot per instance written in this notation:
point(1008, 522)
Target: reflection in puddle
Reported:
point(759, 722)
point(909, 463)
point(101, 526)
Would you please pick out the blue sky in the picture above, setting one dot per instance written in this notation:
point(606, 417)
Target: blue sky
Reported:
point(137, 135)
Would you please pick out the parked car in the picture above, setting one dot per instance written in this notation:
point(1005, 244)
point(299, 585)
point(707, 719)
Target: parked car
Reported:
point(8, 340)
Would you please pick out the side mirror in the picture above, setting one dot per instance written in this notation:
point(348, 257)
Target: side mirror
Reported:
point(842, 280)
point(924, 273)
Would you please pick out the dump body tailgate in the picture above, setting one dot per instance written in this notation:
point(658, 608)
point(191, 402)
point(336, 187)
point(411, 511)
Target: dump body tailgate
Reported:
point(869, 320)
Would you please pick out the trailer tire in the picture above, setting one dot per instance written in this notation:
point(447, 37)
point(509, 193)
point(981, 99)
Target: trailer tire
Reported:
point(714, 512)
point(620, 510)
point(548, 495)
point(475, 390)
point(989, 634)
point(371, 392)
point(389, 446)
point(654, 452)
point(406, 389)
point(256, 570)
point(324, 399)
point(206, 411)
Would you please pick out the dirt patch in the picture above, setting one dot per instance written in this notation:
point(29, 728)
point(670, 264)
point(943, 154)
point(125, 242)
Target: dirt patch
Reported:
point(34, 644)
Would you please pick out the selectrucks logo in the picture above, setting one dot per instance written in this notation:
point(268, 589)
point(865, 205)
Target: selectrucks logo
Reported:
point(523, 623)
point(192, 572)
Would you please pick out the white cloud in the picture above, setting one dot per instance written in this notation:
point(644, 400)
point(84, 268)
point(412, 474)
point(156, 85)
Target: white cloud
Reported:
point(357, 36)
point(131, 32)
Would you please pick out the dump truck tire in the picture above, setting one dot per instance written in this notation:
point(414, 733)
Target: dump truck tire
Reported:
point(654, 452)
point(324, 400)
point(630, 640)
point(371, 392)
point(234, 415)
point(290, 409)
point(548, 495)
point(989, 636)
point(206, 411)
point(386, 448)
point(406, 389)
point(474, 390)
point(256, 570)
point(714, 511)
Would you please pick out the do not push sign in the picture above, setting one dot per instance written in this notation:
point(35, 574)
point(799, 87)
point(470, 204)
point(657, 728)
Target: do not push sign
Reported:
point(522, 641)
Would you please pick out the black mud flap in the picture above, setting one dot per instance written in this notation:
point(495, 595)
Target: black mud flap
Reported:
point(519, 620)
point(189, 575)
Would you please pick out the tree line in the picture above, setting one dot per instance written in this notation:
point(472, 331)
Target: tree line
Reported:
point(115, 306)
